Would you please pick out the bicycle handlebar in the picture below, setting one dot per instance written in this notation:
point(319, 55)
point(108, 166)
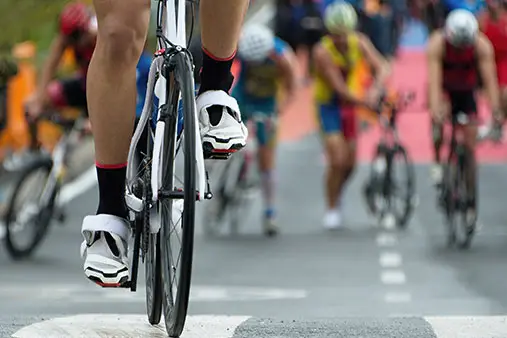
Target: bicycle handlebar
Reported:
point(404, 99)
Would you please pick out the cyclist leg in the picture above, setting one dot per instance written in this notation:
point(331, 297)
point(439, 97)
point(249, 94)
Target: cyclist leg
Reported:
point(337, 158)
point(220, 118)
point(437, 131)
point(349, 123)
point(111, 93)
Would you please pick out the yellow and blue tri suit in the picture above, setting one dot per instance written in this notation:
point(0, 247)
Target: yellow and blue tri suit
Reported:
point(334, 116)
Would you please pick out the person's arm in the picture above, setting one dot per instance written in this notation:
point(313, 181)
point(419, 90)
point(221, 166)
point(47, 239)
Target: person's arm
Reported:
point(325, 67)
point(487, 69)
point(377, 62)
point(49, 69)
point(434, 58)
point(287, 64)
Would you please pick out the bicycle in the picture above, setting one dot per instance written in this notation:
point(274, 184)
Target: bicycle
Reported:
point(454, 196)
point(381, 188)
point(37, 214)
point(236, 186)
point(158, 201)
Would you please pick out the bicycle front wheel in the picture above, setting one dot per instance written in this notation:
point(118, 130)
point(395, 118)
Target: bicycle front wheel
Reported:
point(30, 208)
point(178, 197)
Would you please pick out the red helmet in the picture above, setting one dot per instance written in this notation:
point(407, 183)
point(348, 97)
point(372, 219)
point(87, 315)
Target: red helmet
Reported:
point(74, 17)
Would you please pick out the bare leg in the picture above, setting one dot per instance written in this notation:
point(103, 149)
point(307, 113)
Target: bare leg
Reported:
point(111, 92)
point(221, 22)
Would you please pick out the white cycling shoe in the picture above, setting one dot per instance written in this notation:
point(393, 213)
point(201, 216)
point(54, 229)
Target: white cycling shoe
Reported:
point(105, 250)
point(230, 134)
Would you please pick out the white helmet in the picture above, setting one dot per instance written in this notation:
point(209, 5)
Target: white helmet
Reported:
point(340, 16)
point(255, 43)
point(461, 28)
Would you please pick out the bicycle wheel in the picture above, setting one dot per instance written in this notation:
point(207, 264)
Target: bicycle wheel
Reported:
point(152, 258)
point(402, 185)
point(464, 230)
point(30, 207)
point(177, 272)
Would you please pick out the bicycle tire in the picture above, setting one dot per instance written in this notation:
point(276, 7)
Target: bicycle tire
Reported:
point(464, 231)
point(44, 216)
point(176, 306)
point(152, 259)
point(402, 220)
point(448, 197)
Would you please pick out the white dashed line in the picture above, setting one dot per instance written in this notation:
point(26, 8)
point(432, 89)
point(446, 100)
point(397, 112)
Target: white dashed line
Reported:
point(398, 297)
point(393, 277)
point(390, 260)
point(385, 239)
point(391, 264)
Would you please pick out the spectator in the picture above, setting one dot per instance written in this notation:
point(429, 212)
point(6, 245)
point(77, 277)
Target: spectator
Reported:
point(381, 21)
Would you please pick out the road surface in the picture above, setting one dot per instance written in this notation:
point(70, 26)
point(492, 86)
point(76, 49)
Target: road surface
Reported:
point(307, 282)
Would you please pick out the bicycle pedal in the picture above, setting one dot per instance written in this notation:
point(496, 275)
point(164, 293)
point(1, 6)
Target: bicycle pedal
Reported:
point(217, 156)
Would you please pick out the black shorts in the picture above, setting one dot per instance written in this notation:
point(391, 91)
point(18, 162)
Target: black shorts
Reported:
point(70, 92)
point(462, 101)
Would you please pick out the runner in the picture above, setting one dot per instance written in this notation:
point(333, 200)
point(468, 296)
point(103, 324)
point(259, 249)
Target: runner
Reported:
point(454, 53)
point(336, 56)
point(265, 60)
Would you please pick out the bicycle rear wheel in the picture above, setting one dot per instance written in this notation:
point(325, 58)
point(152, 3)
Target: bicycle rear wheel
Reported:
point(177, 233)
point(25, 210)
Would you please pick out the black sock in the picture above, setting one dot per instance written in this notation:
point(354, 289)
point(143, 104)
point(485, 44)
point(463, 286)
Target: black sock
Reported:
point(215, 75)
point(112, 190)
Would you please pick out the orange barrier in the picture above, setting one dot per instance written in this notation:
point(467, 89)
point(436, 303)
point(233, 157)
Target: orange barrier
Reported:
point(15, 136)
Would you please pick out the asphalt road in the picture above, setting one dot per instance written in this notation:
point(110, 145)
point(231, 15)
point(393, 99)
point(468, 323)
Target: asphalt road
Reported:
point(306, 283)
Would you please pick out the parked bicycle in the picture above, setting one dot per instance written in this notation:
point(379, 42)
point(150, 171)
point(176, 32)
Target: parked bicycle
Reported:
point(384, 188)
point(33, 203)
point(454, 195)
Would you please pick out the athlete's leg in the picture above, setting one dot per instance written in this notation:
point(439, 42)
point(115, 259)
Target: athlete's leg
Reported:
point(111, 93)
point(266, 137)
point(221, 22)
point(336, 154)
point(470, 107)
point(437, 131)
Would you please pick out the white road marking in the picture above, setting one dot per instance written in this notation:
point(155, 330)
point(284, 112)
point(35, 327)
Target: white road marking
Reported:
point(79, 293)
point(79, 186)
point(124, 326)
point(393, 277)
point(385, 239)
point(398, 297)
point(469, 327)
point(390, 260)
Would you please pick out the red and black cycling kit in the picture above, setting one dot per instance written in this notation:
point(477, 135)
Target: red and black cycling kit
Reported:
point(71, 92)
point(460, 77)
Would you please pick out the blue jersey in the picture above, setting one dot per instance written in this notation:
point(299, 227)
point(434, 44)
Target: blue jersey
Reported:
point(142, 71)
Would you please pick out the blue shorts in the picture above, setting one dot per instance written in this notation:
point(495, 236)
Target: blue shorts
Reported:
point(334, 119)
point(329, 118)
